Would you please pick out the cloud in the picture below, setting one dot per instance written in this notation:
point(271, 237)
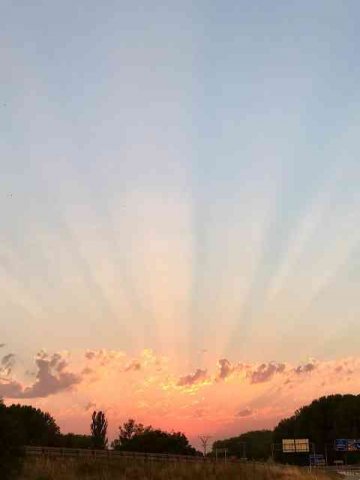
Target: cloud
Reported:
point(90, 354)
point(225, 391)
point(10, 388)
point(193, 378)
point(104, 357)
point(247, 412)
point(51, 378)
point(87, 371)
point(134, 366)
point(119, 360)
point(90, 406)
point(308, 367)
point(265, 372)
point(225, 369)
point(6, 364)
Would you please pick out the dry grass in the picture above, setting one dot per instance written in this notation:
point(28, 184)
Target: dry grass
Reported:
point(76, 469)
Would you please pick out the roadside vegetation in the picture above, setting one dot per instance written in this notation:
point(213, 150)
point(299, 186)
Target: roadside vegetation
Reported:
point(76, 469)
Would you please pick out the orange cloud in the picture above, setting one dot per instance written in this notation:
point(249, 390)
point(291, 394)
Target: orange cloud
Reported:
point(193, 378)
point(218, 398)
point(246, 412)
point(265, 371)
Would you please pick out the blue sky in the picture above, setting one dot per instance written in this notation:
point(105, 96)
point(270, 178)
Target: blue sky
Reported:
point(180, 177)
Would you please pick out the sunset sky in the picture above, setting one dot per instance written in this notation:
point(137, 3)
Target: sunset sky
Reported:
point(180, 209)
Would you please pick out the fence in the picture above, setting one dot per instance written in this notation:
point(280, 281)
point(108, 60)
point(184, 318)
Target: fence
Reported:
point(54, 452)
point(113, 454)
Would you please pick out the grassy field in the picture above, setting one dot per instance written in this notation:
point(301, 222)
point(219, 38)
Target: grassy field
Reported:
point(77, 469)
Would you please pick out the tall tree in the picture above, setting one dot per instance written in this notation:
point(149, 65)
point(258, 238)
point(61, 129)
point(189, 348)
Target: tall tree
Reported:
point(98, 428)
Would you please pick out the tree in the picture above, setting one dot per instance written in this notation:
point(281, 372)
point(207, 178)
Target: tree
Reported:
point(34, 426)
point(98, 428)
point(73, 440)
point(159, 441)
point(135, 437)
point(10, 445)
point(255, 445)
point(127, 431)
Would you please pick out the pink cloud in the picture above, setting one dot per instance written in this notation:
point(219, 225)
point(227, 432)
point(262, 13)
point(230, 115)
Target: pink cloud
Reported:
point(308, 367)
point(134, 365)
point(265, 371)
point(225, 369)
point(206, 399)
point(51, 377)
point(197, 377)
point(7, 364)
point(246, 412)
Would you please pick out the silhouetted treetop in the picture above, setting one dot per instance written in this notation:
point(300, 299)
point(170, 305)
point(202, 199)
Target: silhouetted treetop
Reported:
point(135, 437)
point(98, 429)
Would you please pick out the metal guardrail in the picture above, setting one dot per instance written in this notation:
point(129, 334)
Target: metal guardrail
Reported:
point(32, 451)
point(53, 452)
point(343, 470)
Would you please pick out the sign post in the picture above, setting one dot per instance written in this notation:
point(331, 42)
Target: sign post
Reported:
point(317, 460)
point(296, 445)
point(220, 450)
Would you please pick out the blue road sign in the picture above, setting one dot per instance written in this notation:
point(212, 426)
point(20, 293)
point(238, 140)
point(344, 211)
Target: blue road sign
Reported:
point(341, 444)
point(354, 445)
point(317, 459)
point(347, 445)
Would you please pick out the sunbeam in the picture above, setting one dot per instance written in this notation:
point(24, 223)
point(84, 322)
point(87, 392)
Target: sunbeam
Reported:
point(179, 209)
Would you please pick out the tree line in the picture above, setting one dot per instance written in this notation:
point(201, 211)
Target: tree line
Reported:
point(27, 425)
point(322, 422)
point(22, 425)
point(135, 437)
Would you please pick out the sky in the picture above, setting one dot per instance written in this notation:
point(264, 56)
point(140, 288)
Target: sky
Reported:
point(179, 233)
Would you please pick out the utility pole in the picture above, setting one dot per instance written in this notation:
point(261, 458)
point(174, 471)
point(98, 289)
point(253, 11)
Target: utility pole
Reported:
point(243, 448)
point(204, 439)
point(221, 450)
point(326, 454)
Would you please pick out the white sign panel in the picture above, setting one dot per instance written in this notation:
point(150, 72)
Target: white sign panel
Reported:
point(288, 445)
point(302, 445)
point(295, 445)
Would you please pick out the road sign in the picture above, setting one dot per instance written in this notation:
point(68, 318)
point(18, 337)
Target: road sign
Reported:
point(347, 445)
point(295, 445)
point(353, 445)
point(288, 445)
point(340, 445)
point(317, 459)
point(302, 445)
